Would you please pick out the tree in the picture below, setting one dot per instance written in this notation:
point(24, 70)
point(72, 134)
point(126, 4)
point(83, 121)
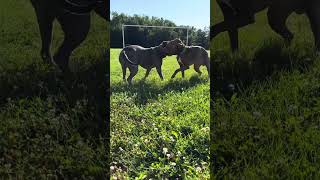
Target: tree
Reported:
point(148, 37)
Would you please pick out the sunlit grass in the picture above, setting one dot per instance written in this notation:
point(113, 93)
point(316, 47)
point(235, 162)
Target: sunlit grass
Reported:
point(159, 128)
point(269, 127)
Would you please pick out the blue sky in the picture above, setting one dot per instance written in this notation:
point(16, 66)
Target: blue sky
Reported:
point(182, 12)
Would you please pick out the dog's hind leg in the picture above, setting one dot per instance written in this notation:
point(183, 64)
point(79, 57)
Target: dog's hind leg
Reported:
point(159, 72)
point(197, 69)
point(147, 73)
point(277, 17)
point(102, 10)
point(234, 40)
point(124, 71)
point(133, 72)
point(208, 68)
point(75, 28)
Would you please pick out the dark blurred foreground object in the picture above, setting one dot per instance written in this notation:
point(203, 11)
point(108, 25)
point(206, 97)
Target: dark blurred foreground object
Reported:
point(74, 18)
point(241, 13)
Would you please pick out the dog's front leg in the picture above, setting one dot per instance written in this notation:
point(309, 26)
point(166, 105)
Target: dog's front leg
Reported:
point(182, 69)
point(45, 22)
point(176, 72)
point(159, 72)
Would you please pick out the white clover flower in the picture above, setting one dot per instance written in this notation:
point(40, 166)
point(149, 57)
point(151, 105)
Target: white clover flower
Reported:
point(165, 150)
point(171, 138)
point(204, 163)
point(198, 169)
point(178, 153)
point(112, 168)
point(205, 129)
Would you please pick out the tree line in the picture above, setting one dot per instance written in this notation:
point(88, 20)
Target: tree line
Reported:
point(148, 37)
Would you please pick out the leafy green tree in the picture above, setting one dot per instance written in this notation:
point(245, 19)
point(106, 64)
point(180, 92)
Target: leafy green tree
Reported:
point(148, 37)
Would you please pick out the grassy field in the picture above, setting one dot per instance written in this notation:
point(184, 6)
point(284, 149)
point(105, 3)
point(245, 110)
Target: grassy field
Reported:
point(159, 129)
point(50, 127)
point(269, 128)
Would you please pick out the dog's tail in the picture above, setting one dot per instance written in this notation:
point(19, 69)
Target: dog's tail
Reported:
point(128, 60)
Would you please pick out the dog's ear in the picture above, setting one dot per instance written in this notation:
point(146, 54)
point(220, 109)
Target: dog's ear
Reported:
point(178, 41)
point(163, 46)
point(181, 43)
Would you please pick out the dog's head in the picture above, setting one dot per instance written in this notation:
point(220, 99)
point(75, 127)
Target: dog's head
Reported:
point(162, 48)
point(174, 47)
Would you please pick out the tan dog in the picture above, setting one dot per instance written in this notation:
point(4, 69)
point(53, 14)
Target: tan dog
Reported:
point(187, 56)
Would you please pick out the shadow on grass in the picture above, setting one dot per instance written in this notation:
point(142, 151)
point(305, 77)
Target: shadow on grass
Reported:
point(232, 72)
point(88, 87)
point(146, 91)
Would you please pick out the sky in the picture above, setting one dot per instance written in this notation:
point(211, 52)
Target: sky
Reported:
point(182, 12)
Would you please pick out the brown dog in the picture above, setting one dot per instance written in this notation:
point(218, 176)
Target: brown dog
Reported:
point(187, 56)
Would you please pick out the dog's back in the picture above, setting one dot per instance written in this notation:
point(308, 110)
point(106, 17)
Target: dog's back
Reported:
point(132, 51)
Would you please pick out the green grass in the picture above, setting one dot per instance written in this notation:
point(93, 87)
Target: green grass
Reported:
point(269, 128)
point(159, 129)
point(50, 127)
